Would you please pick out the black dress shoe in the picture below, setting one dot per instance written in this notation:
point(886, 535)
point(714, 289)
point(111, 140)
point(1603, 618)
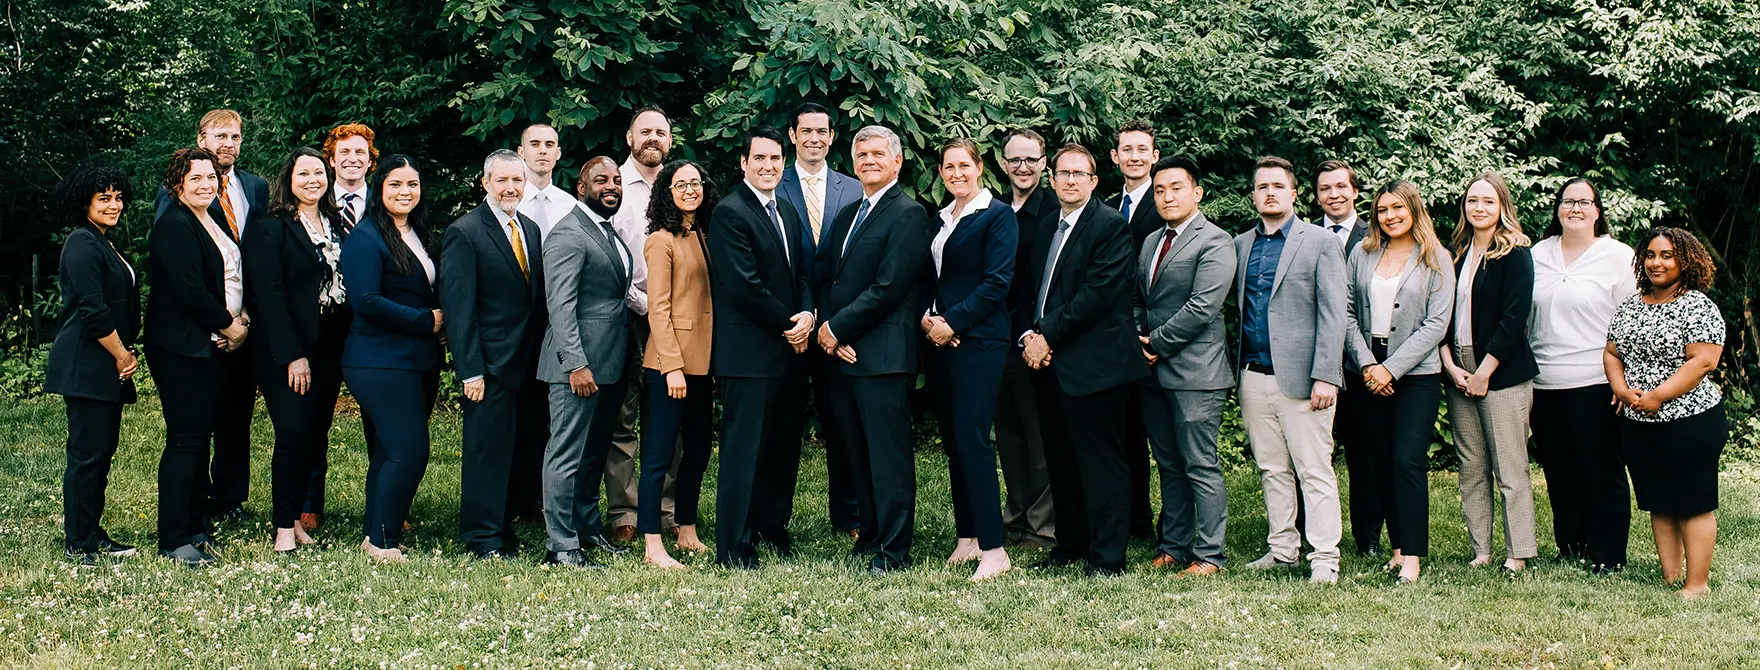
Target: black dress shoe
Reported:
point(602, 542)
point(231, 514)
point(880, 566)
point(496, 554)
point(1053, 561)
point(573, 558)
point(861, 548)
point(1604, 570)
point(1092, 570)
point(81, 558)
point(204, 542)
point(738, 563)
point(778, 541)
point(190, 556)
point(1371, 550)
point(114, 549)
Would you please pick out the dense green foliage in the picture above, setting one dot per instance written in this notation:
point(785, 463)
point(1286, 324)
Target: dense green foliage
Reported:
point(1660, 102)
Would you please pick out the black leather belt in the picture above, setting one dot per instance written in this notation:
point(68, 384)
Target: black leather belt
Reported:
point(1261, 369)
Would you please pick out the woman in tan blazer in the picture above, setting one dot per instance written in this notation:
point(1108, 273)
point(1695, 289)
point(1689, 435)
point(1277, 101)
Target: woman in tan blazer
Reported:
point(676, 365)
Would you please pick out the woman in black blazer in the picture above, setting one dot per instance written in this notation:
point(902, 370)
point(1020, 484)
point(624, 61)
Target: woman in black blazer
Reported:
point(194, 313)
point(92, 362)
point(294, 292)
point(963, 290)
point(1490, 367)
point(392, 357)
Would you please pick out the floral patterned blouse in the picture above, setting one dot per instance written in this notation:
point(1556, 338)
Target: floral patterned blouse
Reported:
point(1651, 340)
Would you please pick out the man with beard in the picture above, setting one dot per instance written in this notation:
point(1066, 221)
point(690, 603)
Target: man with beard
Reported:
point(1027, 512)
point(241, 197)
point(817, 193)
point(650, 140)
point(1135, 154)
point(544, 202)
point(492, 288)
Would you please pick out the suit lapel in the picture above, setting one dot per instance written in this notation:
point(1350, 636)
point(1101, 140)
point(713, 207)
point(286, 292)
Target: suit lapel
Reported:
point(492, 220)
point(1294, 240)
point(1069, 242)
point(878, 207)
point(597, 232)
point(1179, 243)
point(791, 186)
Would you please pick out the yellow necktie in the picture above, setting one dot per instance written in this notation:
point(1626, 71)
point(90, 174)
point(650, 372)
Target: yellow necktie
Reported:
point(226, 206)
point(519, 249)
point(815, 209)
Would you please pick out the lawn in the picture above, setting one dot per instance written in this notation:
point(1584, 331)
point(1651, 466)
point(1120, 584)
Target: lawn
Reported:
point(332, 608)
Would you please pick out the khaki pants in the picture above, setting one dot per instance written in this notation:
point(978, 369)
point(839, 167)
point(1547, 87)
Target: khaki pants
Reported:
point(1491, 436)
point(1292, 445)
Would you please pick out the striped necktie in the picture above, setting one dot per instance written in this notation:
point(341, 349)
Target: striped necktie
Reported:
point(226, 206)
point(815, 208)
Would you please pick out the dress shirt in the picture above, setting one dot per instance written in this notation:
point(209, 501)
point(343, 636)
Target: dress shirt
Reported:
point(1262, 263)
point(359, 208)
point(816, 182)
point(1136, 197)
point(1382, 292)
point(979, 203)
point(1172, 233)
point(1344, 232)
point(506, 220)
point(1573, 306)
point(870, 201)
point(241, 205)
point(773, 212)
point(631, 222)
point(1052, 258)
point(233, 263)
point(545, 206)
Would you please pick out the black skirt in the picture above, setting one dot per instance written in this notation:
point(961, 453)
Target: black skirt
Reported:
point(1674, 463)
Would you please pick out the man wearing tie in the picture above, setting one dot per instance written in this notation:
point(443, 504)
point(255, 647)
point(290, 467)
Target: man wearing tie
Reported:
point(242, 196)
point(587, 270)
point(763, 320)
point(1289, 278)
point(817, 193)
point(1080, 339)
point(1027, 515)
point(1185, 271)
point(492, 289)
point(544, 202)
point(1135, 154)
point(1336, 187)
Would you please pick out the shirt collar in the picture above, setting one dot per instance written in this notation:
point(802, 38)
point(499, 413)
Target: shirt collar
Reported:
point(981, 202)
point(340, 192)
point(1282, 230)
point(500, 216)
point(873, 199)
point(1180, 227)
point(1138, 195)
point(824, 171)
point(1347, 224)
point(1073, 216)
point(763, 200)
point(630, 174)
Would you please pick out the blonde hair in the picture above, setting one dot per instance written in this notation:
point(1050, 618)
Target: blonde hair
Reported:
point(1423, 230)
point(218, 117)
point(1509, 233)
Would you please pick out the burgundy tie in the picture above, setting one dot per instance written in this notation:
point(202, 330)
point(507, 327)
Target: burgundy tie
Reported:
point(1166, 243)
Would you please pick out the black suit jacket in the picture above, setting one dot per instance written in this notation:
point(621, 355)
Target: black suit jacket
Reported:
point(1088, 317)
point(1503, 295)
point(1144, 219)
point(283, 273)
point(256, 193)
point(188, 275)
point(1041, 207)
point(757, 286)
point(99, 297)
point(495, 316)
point(867, 291)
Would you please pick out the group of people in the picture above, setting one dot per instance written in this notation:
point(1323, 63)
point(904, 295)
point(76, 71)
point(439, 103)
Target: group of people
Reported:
point(1087, 334)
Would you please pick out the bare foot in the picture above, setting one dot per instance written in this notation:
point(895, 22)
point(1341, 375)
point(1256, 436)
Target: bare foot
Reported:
point(1396, 562)
point(965, 550)
point(285, 539)
point(392, 555)
point(1693, 592)
point(687, 539)
point(1480, 561)
point(299, 534)
point(1515, 564)
point(662, 560)
point(1409, 571)
point(991, 563)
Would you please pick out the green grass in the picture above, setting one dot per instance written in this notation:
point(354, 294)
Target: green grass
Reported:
point(332, 608)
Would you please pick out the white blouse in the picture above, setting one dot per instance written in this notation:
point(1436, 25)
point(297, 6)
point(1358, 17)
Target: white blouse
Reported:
point(1463, 296)
point(1573, 306)
point(415, 247)
point(1382, 293)
point(979, 203)
point(233, 273)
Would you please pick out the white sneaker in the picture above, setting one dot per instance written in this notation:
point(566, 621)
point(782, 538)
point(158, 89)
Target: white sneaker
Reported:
point(1268, 562)
point(1324, 574)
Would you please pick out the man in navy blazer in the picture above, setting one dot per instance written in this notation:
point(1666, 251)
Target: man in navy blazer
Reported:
point(818, 193)
point(241, 199)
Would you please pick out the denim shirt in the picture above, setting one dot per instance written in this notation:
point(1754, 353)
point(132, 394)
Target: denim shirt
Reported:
point(1256, 293)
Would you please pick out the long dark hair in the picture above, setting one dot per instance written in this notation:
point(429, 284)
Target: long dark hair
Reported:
point(663, 213)
point(283, 203)
point(73, 196)
point(1555, 228)
point(403, 260)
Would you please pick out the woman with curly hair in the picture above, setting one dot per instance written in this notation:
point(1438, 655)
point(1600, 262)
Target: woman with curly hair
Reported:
point(92, 362)
point(1661, 349)
point(676, 365)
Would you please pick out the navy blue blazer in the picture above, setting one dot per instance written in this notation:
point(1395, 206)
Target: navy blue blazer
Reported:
point(393, 319)
point(977, 267)
point(841, 191)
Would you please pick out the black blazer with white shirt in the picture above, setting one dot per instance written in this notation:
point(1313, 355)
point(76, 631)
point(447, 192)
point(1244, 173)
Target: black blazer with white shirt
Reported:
point(1503, 295)
point(496, 317)
point(188, 274)
point(759, 280)
point(283, 273)
point(865, 290)
point(1089, 305)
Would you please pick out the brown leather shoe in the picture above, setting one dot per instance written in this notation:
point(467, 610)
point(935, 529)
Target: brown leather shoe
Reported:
point(855, 534)
point(1164, 561)
point(622, 534)
point(1199, 569)
point(309, 521)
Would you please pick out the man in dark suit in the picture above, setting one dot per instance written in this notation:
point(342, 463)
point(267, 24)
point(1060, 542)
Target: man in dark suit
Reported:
point(868, 275)
point(1027, 515)
point(817, 193)
point(764, 314)
point(492, 287)
point(1135, 154)
point(1184, 273)
point(242, 197)
point(1336, 187)
point(1081, 341)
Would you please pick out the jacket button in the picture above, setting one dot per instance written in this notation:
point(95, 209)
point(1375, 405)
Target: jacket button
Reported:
point(1396, 305)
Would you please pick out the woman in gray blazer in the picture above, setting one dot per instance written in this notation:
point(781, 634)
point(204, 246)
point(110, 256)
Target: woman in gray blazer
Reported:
point(1401, 294)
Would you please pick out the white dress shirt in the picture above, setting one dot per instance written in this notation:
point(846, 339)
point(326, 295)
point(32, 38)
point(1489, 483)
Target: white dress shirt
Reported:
point(871, 200)
point(979, 203)
point(1344, 233)
point(1382, 293)
point(1056, 252)
point(764, 201)
point(506, 220)
point(233, 262)
point(1463, 297)
point(1573, 306)
point(623, 253)
point(631, 222)
point(415, 247)
point(241, 205)
point(545, 206)
point(359, 208)
point(1137, 199)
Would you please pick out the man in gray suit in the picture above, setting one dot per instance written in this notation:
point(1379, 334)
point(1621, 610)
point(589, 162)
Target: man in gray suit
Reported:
point(1184, 271)
point(1290, 279)
point(587, 272)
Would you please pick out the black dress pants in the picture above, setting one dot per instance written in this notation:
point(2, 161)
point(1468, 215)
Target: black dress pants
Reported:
point(1085, 451)
point(874, 414)
point(840, 485)
point(1348, 429)
point(302, 422)
point(93, 430)
point(1136, 444)
point(760, 460)
point(1398, 436)
point(1576, 435)
point(229, 472)
point(503, 430)
point(692, 416)
point(188, 392)
point(963, 382)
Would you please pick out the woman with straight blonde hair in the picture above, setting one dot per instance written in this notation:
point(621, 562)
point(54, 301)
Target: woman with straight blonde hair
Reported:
point(1401, 289)
point(1491, 369)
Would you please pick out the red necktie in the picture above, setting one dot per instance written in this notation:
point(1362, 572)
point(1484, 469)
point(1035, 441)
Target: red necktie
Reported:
point(1166, 243)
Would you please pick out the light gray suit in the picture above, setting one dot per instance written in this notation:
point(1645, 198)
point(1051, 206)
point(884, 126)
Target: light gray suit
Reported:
point(1292, 442)
point(1179, 307)
point(1422, 307)
point(586, 275)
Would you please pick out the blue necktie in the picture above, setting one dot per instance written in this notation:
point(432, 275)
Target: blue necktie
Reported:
point(1126, 209)
point(781, 232)
point(861, 215)
point(1051, 264)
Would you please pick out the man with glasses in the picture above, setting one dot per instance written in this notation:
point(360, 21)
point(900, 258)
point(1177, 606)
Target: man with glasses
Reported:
point(1027, 514)
point(1080, 339)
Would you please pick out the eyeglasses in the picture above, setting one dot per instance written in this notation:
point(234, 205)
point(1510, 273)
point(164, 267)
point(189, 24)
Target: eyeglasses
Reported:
point(687, 186)
point(1022, 161)
point(1576, 204)
point(1072, 174)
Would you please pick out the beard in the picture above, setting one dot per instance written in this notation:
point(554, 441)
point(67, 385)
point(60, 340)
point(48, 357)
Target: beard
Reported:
point(603, 210)
point(652, 154)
